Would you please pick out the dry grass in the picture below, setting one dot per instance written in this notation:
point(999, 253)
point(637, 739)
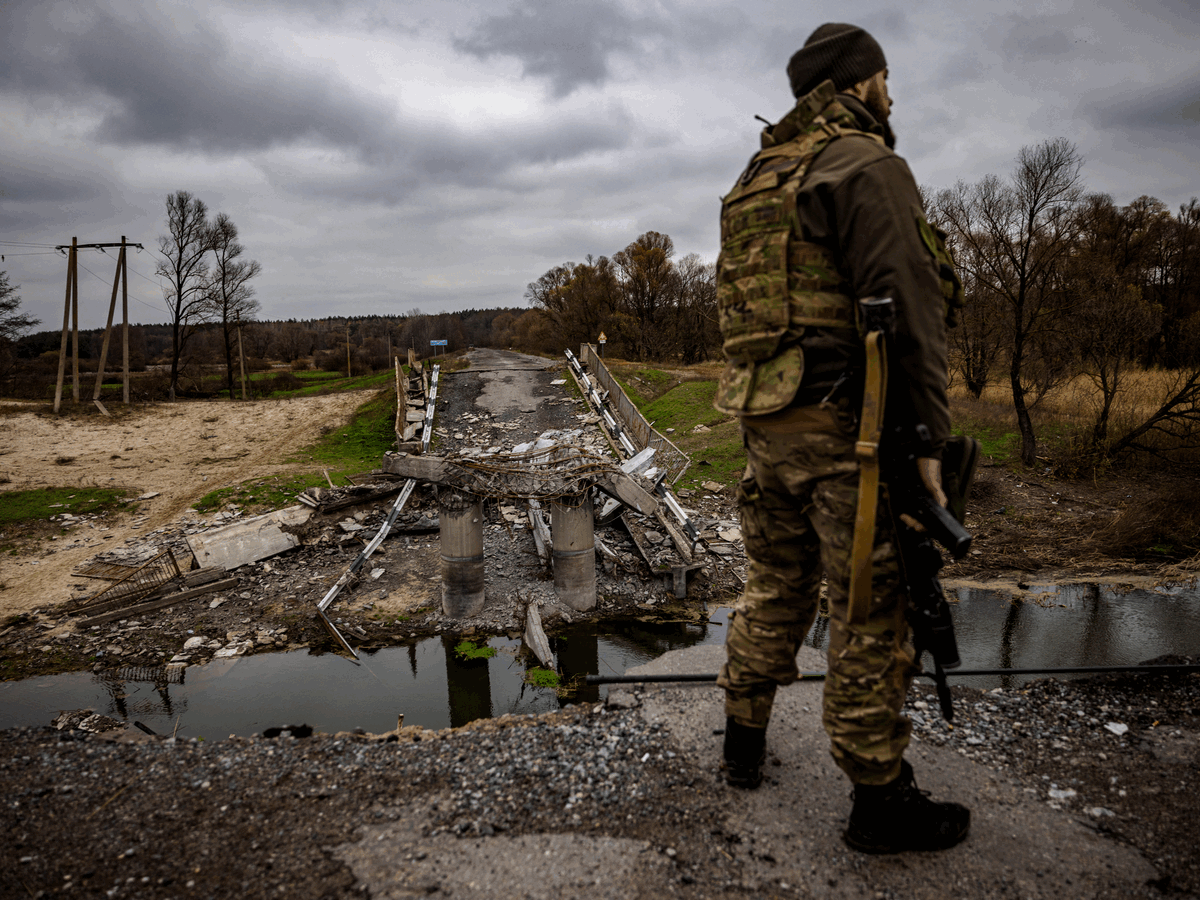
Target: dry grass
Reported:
point(1064, 419)
point(1163, 525)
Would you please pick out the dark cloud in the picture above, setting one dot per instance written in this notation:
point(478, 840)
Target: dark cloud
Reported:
point(194, 90)
point(156, 81)
point(1183, 15)
point(567, 43)
point(435, 155)
point(1165, 113)
point(962, 67)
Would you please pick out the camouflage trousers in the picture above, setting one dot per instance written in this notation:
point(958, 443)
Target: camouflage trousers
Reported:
point(797, 501)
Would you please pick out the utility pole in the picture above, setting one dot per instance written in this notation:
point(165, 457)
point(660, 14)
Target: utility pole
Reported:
point(125, 323)
point(349, 374)
point(71, 318)
point(112, 306)
point(62, 350)
point(241, 355)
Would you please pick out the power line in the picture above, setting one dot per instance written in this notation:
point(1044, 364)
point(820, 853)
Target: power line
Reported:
point(107, 283)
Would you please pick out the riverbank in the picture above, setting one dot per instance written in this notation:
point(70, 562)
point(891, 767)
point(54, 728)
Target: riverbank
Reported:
point(616, 800)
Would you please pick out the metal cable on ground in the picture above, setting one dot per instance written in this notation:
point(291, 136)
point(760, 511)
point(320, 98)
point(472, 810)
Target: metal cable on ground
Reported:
point(957, 673)
point(371, 547)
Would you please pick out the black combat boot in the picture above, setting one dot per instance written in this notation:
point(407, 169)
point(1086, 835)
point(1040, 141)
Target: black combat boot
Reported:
point(897, 816)
point(745, 753)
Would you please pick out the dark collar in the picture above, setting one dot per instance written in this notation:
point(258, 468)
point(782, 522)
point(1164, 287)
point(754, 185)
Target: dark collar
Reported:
point(867, 122)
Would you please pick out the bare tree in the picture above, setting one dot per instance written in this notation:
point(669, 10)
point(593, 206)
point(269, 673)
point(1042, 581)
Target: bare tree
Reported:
point(649, 285)
point(292, 341)
point(1016, 236)
point(184, 264)
point(12, 323)
point(577, 299)
point(228, 291)
point(697, 331)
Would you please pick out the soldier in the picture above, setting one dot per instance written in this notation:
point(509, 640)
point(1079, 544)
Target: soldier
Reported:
point(826, 215)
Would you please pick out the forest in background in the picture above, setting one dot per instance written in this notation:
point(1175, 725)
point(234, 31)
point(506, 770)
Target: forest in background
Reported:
point(1071, 302)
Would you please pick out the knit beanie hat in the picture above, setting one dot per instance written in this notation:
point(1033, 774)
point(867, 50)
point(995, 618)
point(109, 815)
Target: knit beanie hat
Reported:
point(843, 54)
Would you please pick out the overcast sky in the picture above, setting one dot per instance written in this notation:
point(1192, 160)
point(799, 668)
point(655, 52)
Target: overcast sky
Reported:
point(381, 157)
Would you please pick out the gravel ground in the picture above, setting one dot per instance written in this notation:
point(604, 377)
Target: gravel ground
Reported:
point(621, 806)
point(1120, 750)
point(259, 817)
point(626, 807)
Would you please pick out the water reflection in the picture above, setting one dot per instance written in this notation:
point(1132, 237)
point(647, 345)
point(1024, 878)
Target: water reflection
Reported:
point(1074, 625)
point(468, 686)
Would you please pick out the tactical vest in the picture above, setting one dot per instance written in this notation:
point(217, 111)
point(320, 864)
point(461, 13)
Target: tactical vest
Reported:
point(771, 284)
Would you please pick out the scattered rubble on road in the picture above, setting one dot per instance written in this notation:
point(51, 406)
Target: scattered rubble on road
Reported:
point(268, 597)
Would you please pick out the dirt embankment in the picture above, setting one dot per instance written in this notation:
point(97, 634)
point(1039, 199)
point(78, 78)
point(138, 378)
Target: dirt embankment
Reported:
point(177, 452)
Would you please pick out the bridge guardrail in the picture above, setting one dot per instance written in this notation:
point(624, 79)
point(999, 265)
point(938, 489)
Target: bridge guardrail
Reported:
point(667, 457)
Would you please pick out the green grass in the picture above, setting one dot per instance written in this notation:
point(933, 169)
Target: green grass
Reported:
point(357, 446)
point(361, 443)
point(998, 444)
point(318, 375)
point(337, 382)
point(470, 650)
point(668, 403)
point(684, 407)
point(261, 496)
point(42, 503)
point(717, 455)
point(543, 678)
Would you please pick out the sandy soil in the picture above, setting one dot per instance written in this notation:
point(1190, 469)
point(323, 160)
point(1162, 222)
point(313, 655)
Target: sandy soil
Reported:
point(179, 452)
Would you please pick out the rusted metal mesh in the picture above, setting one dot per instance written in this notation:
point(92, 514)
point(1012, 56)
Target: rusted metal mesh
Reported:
point(140, 583)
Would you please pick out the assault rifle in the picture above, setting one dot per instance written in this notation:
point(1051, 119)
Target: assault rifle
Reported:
point(928, 613)
point(920, 560)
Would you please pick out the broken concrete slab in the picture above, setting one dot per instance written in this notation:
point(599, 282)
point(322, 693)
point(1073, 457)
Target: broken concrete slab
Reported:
point(249, 540)
point(535, 636)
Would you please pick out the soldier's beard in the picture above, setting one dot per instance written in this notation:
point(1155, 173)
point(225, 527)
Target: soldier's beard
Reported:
point(879, 105)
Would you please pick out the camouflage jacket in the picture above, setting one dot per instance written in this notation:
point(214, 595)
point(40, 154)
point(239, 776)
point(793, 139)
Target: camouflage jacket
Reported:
point(823, 215)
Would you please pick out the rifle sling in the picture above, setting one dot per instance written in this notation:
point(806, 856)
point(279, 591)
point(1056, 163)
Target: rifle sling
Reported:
point(866, 450)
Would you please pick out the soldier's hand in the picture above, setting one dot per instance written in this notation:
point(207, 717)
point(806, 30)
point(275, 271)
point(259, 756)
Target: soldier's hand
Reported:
point(930, 471)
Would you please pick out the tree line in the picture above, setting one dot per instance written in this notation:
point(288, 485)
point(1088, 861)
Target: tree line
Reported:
point(356, 345)
point(1063, 285)
point(648, 305)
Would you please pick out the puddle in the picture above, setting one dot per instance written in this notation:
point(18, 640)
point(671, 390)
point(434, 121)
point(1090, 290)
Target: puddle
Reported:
point(425, 681)
point(1074, 625)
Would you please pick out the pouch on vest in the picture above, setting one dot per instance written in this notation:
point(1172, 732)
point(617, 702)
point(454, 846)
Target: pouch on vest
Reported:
point(756, 389)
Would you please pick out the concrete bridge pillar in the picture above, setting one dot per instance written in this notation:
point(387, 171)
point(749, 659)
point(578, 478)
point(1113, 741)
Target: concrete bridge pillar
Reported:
point(461, 537)
point(572, 530)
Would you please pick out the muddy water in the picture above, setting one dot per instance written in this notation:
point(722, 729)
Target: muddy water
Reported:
point(427, 681)
point(1071, 625)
